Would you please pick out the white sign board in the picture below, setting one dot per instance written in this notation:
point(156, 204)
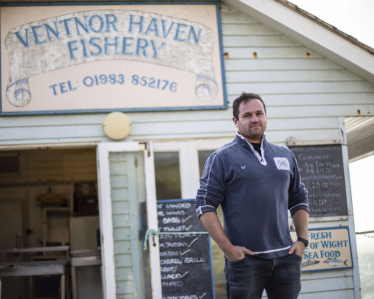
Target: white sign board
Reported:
point(328, 249)
point(61, 59)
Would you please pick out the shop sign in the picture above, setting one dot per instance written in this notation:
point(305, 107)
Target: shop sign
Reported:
point(83, 58)
point(328, 249)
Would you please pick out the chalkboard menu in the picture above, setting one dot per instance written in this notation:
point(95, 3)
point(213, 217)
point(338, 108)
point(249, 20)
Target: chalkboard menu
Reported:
point(322, 172)
point(185, 257)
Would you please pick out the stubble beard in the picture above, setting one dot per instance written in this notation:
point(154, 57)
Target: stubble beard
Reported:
point(254, 135)
point(256, 130)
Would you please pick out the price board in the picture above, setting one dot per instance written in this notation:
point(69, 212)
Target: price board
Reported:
point(185, 253)
point(322, 172)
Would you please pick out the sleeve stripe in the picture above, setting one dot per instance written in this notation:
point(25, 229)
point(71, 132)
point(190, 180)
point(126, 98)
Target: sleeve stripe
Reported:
point(200, 209)
point(299, 204)
point(210, 169)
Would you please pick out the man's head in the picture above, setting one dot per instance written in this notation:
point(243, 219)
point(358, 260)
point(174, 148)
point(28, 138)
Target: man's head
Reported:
point(249, 113)
point(245, 97)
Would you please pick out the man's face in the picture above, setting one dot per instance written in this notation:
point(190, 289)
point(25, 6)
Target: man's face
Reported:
point(252, 120)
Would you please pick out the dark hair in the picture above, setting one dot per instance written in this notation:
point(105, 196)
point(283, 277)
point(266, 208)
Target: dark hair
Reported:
point(244, 97)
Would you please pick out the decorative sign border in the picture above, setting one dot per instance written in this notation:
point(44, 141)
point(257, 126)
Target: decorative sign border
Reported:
point(311, 241)
point(82, 111)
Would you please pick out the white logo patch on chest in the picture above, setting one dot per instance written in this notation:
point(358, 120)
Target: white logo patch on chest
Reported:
point(282, 163)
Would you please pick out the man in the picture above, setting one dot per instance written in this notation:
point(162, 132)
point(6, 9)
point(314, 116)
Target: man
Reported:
point(255, 182)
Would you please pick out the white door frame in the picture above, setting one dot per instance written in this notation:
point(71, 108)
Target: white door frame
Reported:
point(189, 160)
point(105, 211)
point(189, 171)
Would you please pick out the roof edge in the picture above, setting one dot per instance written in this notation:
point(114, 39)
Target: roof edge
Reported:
point(307, 30)
point(328, 26)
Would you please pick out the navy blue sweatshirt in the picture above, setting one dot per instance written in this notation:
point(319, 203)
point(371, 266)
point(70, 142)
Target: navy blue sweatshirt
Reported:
point(255, 193)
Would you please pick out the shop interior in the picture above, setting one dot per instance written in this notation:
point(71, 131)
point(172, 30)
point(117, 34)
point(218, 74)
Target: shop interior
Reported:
point(49, 205)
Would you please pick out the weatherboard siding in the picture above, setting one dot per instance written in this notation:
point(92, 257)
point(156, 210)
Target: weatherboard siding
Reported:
point(175, 125)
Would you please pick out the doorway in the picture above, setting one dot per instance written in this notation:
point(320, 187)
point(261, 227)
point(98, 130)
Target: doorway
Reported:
point(48, 198)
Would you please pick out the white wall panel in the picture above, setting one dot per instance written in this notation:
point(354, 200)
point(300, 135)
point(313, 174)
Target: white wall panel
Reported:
point(227, 9)
point(235, 18)
point(261, 53)
point(300, 87)
point(327, 284)
point(277, 64)
point(325, 274)
point(340, 294)
point(254, 41)
point(247, 29)
point(290, 76)
point(321, 100)
point(184, 127)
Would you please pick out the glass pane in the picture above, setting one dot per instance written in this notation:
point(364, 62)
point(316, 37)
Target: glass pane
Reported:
point(203, 156)
point(217, 254)
point(168, 182)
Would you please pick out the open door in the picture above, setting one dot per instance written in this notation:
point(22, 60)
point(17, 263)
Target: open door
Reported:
point(125, 180)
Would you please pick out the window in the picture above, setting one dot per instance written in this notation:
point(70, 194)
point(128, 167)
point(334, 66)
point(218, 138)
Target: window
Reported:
point(203, 156)
point(167, 171)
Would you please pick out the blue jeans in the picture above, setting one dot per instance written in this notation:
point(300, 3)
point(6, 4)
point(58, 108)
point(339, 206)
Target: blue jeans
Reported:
point(249, 277)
